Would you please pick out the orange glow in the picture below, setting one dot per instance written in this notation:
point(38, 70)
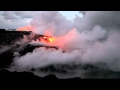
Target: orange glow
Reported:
point(48, 39)
point(51, 39)
point(26, 28)
point(61, 41)
point(48, 33)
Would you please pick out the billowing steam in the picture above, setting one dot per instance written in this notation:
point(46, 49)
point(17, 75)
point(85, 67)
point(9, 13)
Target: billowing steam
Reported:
point(91, 40)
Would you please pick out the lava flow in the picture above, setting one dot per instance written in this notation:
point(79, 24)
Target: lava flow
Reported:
point(48, 39)
point(64, 42)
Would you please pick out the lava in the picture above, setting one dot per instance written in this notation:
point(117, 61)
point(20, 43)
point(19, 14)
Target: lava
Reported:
point(63, 42)
point(47, 39)
point(51, 39)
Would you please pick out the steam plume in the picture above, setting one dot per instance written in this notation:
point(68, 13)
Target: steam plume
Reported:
point(93, 39)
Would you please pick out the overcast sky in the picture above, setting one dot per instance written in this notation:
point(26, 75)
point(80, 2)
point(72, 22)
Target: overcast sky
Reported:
point(15, 19)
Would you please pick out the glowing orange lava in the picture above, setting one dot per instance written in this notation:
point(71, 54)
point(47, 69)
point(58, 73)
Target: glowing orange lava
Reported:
point(47, 39)
point(51, 39)
point(61, 41)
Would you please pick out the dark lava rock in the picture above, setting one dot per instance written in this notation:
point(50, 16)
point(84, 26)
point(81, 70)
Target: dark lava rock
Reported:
point(5, 74)
point(26, 76)
point(6, 58)
point(29, 48)
point(52, 68)
point(9, 37)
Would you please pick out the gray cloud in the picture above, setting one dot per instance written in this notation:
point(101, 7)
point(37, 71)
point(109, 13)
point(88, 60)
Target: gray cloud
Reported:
point(9, 15)
point(26, 14)
point(106, 19)
point(15, 19)
point(11, 24)
point(83, 12)
point(52, 19)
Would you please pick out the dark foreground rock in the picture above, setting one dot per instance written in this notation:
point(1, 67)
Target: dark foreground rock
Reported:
point(24, 76)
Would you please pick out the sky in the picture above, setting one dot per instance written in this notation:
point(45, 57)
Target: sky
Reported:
point(70, 14)
point(15, 19)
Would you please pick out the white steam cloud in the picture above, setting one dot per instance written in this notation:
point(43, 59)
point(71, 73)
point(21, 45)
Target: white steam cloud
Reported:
point(93, 39)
